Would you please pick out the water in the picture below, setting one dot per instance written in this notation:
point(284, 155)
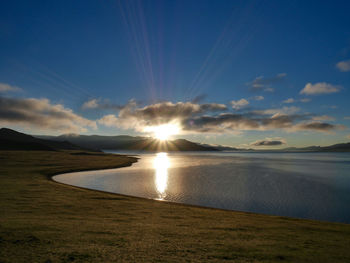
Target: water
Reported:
point(303, 185)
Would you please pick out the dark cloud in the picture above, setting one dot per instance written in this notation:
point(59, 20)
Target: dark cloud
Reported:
point(133, 117)
point(212, 118)
point(261, 83)
point(220, 123)
point(280, 121)
point(40, 113)
point(269, 142)
point(318, 126)
point(101, 105)
point(165, 111)
point(199, 98)
point(227, 122)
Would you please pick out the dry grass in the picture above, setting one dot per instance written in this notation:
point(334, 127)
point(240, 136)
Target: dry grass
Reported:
point(43, 221)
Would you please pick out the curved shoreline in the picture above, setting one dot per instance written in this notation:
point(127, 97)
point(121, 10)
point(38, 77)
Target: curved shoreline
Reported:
point(172, 202)
point(163, 201)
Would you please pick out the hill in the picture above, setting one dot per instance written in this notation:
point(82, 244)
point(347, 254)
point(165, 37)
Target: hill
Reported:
point(125, 142)
point(13, 140)
point(340, 147)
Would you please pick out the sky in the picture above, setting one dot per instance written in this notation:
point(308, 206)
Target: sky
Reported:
point(262, 74)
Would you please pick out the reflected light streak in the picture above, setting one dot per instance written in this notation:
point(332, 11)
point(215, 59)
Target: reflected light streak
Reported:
point(161, 164)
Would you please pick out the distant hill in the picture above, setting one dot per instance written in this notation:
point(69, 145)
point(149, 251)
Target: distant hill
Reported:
point(124, 142)
point(13, 140)
point(226, 148)
point(138, 143)
point(340, 147)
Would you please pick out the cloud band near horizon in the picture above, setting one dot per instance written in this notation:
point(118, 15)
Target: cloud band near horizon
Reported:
point(192, 117)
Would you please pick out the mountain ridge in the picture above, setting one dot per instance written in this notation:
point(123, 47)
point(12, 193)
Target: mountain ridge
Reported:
point(127, 142)
point(13, 140)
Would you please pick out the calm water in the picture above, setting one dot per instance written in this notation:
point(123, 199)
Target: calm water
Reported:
point(305, 185)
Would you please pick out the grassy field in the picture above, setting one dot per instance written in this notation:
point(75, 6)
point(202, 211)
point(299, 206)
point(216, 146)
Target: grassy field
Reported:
point(43, 221)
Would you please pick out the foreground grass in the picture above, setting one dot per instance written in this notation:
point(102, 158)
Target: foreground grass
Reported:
point(43, 221)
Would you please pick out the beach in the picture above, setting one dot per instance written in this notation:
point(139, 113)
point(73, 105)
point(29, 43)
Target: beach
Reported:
point(44, 221)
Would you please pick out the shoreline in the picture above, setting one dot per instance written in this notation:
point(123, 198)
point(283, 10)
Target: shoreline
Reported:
point(177, 203)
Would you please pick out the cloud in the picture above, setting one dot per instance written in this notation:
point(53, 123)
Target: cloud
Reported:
point(284, 110)
point(102, 105)
point(320, 88)
point(344, 66)
point(348, 136)
point(269, 142)
point(8, 88)
point(290, 100)
point(232, 122)
point(258, 98)
point(109, 120)
point(212, 118)
point(261, 83)
point(132, 117)
point(347, 118)
point(239, 104)
point(333, 107)
point(41, 113)
point(199, 98)
point(269, 89)
point(318, 126)
point(323, 118)
point(90, 104)
point(304, 100)
point(229, 122)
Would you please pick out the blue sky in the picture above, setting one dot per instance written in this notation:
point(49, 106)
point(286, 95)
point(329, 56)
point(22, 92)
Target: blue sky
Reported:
point(76, 62)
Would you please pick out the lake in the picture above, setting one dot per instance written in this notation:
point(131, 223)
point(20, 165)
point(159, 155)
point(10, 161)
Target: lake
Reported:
point(303, 185)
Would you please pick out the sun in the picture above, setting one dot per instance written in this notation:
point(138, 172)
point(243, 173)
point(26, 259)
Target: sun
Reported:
point(163, 132)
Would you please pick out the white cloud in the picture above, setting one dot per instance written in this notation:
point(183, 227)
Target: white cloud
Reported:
point(347, 118)
point(282, 111)
point(344, 66)
point(258, 98)
point(42, 114)
point(320, 88)
point(269, 89)
point(290, 100)
point(239, 104)
point(90, 104)
point(323, 118)
point(109, 121)
point(6, 88)
point(304, 100)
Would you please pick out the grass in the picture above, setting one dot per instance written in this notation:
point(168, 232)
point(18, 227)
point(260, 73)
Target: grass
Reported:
point(43, 221)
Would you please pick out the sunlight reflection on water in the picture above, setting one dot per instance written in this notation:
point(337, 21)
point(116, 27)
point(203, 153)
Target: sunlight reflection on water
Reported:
point(307, 185)
point(161, 163)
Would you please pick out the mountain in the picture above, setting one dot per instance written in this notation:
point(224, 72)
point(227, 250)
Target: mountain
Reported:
point(13, 140)
point(125, 142)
